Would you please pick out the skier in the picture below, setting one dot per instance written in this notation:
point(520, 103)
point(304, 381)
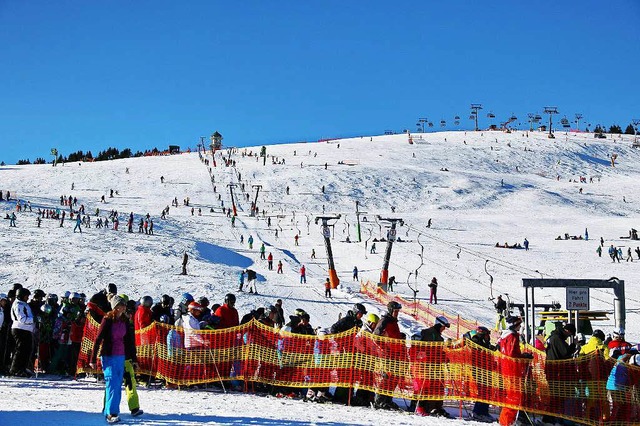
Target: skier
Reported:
point(241, 276)
point(512, 371)
point(313, 253)
point(143, 317)
point(353, 318)
point(250, 241)
point(12, 219)
point(599, 251)
point(373, 249)
point(391, 282)
point(638, 252)
point(227, 312)
point(251, 281)
point(355, 273)
point(78, 223)
point(303, 275)
point(586, 234)
point(432, 334)
point(185, 260)
point(433, 295)
point(388, 327)
point(22, 330)
point(629, 256)
point(558, 349)
point(262, 251)
point(526, 244)
point(501, 310)
point(327, 288)
point(270, 261)
point(279, 271)
point(296, 239)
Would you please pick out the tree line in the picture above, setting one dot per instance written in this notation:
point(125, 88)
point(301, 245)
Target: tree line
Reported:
point(108, 154)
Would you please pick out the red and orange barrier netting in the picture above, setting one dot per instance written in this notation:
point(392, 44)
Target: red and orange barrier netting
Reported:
point(254, 353)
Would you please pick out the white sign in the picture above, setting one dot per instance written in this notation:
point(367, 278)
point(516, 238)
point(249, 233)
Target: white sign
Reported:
point(326, 232)
point(577, 298)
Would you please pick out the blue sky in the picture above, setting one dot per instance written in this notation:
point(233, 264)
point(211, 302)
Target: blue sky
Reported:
point(88, 75)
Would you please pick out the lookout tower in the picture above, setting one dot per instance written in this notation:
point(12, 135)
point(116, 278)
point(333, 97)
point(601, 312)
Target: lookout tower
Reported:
point(216, 141)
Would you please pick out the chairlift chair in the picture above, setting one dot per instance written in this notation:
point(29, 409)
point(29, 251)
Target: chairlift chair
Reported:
point(491, 115)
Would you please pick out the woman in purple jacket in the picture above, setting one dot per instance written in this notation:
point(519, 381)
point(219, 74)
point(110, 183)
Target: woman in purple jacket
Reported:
point(115, 342)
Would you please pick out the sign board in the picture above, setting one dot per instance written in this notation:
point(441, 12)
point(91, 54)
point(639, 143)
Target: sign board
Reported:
point(577, 298)
point(391, 235)
point(326, 232)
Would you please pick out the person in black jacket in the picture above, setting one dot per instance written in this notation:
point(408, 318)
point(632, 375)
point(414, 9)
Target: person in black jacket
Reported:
point(353, 318)
point(434, 334)
point(501, 307)
point(163, 308)
point(481, 336)
point(99, 303)
point(115, 343)
point(557, 349)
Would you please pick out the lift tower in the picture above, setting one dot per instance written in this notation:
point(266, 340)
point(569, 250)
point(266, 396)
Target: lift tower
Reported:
point(233, 201)
point(384, 274)
point(254, 209)
point(326, 233)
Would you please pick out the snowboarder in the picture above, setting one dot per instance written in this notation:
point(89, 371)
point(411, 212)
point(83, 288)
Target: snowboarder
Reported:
point(433, 295)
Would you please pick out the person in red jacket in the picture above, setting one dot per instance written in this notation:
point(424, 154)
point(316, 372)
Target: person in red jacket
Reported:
point(227, 313)
point(512, 370)
point(303, 275)
point(143, 317)
point(388, 327)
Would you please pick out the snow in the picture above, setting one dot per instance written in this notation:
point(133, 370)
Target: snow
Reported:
point(470, 210)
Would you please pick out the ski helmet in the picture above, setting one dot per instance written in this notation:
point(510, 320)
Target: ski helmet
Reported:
point(186, 298)
point(22, 292)
point(195, 308)
point(443, 321)
point(46, 309)
point(38, 294)
point(230, 299)
point(146, 301)
point(599, 334)
point(203, 301)
point(393, 306)
point(372, 318)
point(299, 312)
point(359, 308)
point(166, 300)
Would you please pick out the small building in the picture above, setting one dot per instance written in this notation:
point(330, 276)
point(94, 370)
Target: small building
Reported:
point(216, 141)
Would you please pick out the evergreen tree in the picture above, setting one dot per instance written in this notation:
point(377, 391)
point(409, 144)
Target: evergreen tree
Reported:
point(615, 129)
point(629, 130)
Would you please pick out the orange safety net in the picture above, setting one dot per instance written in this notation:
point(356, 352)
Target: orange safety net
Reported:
point(253, 353)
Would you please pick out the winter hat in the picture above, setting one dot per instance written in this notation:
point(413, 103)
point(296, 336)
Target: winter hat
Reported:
point(513, 321)
point(112, 288)
point(570, 328)
point(116, 300)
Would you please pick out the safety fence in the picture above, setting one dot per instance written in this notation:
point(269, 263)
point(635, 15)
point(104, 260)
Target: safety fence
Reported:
point(423, 312)
point(253, 353)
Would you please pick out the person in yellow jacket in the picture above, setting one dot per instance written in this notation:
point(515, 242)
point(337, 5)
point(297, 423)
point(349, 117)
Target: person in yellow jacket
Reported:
point(595, 392)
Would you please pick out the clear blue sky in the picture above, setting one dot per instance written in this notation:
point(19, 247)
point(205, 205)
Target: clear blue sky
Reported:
point(85, 75)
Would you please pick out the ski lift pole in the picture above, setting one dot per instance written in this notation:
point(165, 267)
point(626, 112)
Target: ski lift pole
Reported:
point(326, 233)
point(490, 279)
point(384, 274)
point(255, 201)
point(358, 213)
point(233, 202)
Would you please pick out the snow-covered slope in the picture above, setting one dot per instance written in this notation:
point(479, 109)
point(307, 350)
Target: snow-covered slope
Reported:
point(478, 188)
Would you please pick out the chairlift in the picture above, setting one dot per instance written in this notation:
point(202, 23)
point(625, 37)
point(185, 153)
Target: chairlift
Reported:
point(457, 117)
point(443, 123)
point(491, 115)
point(457, 122)
point(472, 117)
point(513, 117)
point(430, 124)
point(538, 117)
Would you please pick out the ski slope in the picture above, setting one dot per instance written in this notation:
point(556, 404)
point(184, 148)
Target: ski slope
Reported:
point(478, 188)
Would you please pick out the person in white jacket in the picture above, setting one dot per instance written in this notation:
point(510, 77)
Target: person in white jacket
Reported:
point(190, 324)
point(22, 330)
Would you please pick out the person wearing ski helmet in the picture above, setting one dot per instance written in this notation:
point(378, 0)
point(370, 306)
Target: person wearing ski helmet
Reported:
point(163, 308)
point(437, 358)
point(481, 336)
point(388, 327)
point(99, 303)
point(227, 312)
point(353, 318)
point(512, 371)
point(143, 316)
